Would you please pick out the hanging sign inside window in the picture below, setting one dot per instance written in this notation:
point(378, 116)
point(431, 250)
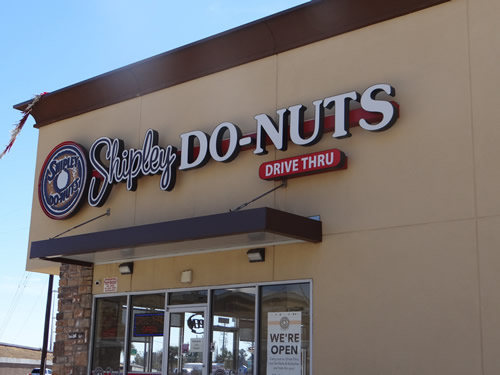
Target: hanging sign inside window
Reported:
point(284, 343)
point(148, 324)
point(196, 345)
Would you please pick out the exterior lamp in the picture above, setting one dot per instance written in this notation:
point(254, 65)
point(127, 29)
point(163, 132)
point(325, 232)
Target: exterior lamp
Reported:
point(126, 268)
point(187, 276)
point(256, 255)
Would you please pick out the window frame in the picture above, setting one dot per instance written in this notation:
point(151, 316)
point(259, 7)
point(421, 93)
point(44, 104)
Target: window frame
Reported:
point(208, 305)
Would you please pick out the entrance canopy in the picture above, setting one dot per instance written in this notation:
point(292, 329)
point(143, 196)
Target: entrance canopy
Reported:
point(257, 227)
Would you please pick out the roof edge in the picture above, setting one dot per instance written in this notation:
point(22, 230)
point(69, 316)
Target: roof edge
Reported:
point(281, 32)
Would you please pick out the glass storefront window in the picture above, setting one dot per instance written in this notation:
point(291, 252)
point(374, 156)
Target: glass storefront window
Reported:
point(186, 343)
point(233, 331)
point(109, 335)
point(285, 317)
point(226, 344)
point(146, 333)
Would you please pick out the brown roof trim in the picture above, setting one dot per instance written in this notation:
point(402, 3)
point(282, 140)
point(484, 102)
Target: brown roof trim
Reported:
point(296, 27)
point(69, 261)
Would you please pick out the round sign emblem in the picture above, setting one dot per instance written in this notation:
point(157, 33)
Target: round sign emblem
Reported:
point(196, 323)
point(63, 180)
point(284, 322)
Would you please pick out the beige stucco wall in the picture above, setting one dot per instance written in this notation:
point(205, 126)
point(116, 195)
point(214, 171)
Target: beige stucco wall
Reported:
point(405, 280)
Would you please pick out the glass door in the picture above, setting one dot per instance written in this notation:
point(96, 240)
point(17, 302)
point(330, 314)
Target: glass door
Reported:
point(187, 341)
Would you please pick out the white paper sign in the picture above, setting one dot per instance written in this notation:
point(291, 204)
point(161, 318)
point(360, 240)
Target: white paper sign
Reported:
point(284, 343)
point(196, 345)
point(111, 285)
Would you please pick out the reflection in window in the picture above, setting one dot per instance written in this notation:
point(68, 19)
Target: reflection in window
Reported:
point(109, 335)
point(146, 333)
point(185, 350)
point(284, 327)
point(285, 309)
point(188, 297)
point(233, 331)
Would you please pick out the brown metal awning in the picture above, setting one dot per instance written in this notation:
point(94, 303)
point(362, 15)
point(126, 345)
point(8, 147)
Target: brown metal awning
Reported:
point(257, 227)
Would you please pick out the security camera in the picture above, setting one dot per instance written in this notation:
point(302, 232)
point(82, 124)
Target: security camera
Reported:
point(97, 282)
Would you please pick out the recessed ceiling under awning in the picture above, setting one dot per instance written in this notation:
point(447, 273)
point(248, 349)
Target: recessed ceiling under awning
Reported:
point(257, 227)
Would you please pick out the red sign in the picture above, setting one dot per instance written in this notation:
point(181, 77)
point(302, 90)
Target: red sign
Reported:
point(318, 162)
point(148, 324)
point(111, 285)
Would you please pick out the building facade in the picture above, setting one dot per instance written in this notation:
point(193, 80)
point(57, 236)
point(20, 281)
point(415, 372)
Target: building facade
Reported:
point(312, 193)
point(20, 360)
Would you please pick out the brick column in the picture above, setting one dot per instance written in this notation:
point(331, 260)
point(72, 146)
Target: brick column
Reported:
point(71, 348)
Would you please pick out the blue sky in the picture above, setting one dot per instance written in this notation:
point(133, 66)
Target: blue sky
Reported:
point(47, 45)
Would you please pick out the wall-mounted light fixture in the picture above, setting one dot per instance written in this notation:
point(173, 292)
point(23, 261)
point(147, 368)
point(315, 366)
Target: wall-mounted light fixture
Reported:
point(126, 268)
point(256, 255)
point(187, 276)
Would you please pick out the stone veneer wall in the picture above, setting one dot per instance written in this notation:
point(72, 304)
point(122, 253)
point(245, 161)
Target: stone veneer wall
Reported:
point(71, 348)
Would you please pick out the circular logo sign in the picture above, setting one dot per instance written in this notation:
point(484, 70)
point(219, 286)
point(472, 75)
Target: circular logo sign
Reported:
point(63, 180)
point(196, 323)
point(284, 322)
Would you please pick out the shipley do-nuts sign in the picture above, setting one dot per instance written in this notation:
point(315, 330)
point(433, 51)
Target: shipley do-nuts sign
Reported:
point(69, 172)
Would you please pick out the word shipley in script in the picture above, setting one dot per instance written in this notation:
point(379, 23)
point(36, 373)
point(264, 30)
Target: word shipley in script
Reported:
point(127, 165)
